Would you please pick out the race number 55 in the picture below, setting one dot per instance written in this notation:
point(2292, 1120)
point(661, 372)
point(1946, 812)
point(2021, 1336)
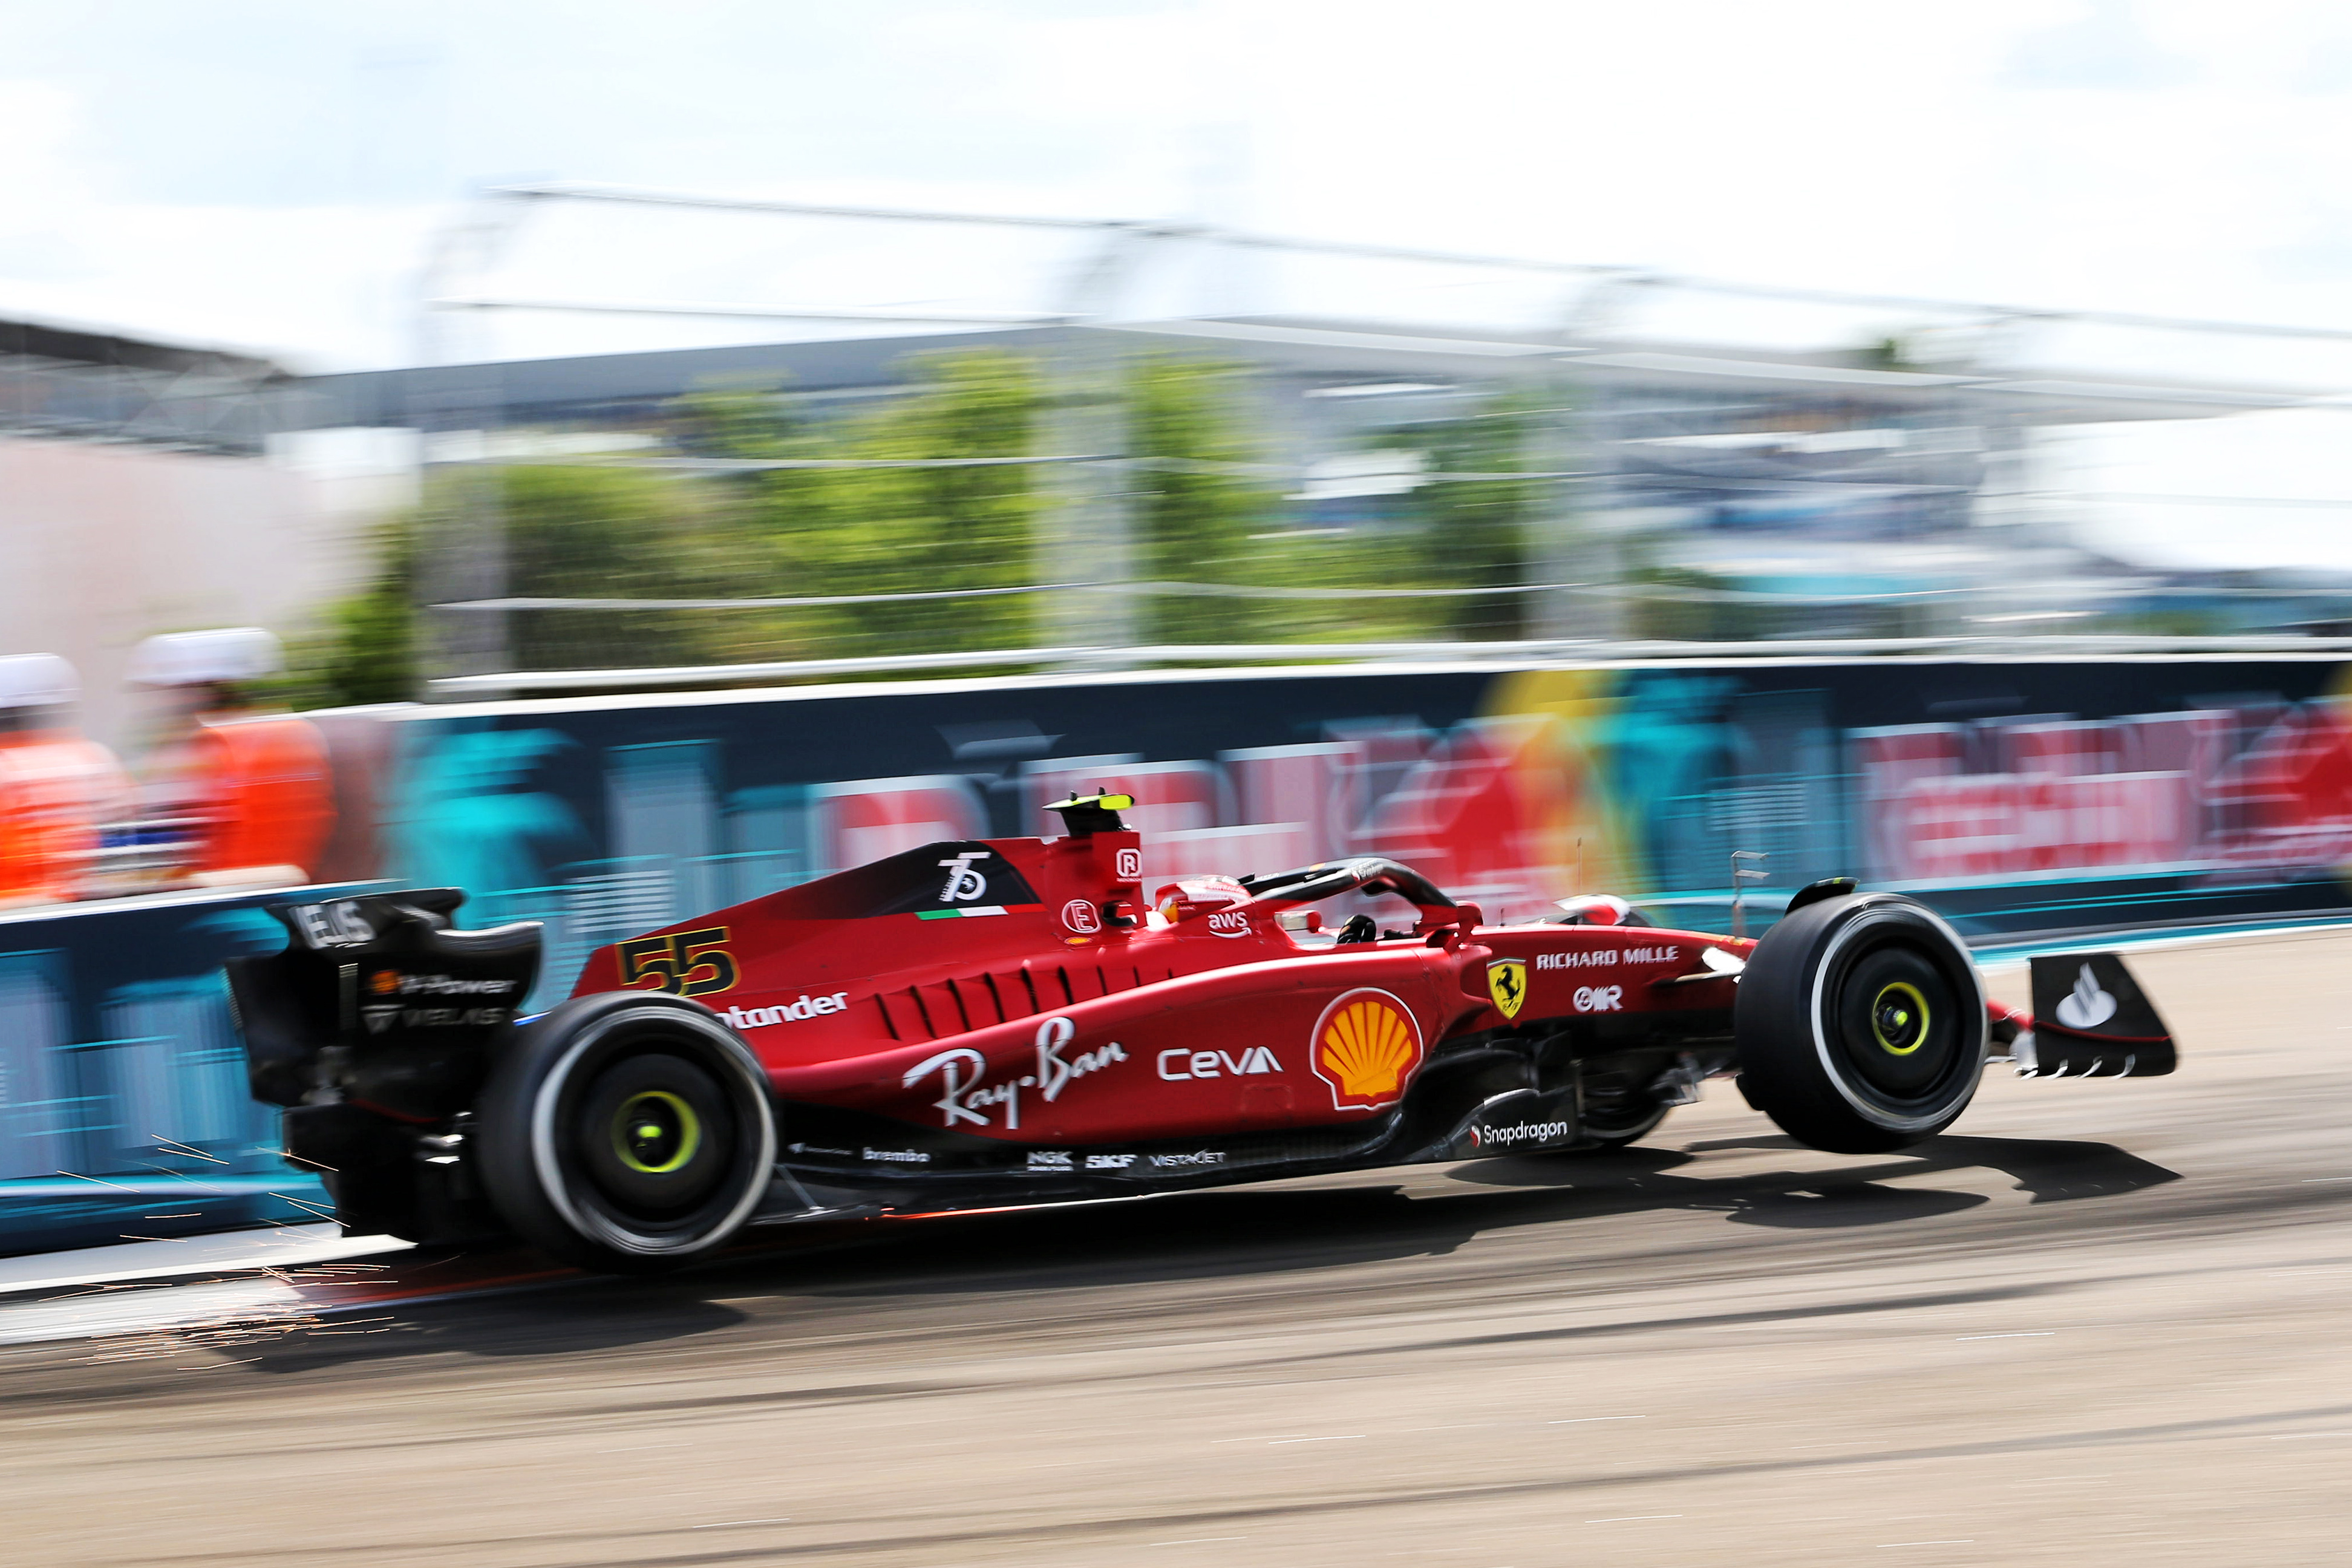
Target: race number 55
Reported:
point(684, 963)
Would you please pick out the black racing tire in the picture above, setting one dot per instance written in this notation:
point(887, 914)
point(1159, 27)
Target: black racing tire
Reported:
point(1599, 1135)
point(1616, 1108)
point(629, 1133)
point(1861, 1024)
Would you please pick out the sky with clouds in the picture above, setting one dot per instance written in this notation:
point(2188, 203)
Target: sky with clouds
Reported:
point(271, 173)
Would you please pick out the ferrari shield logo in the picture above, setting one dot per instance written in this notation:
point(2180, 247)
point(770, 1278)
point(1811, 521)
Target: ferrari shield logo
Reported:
point(1506, 982)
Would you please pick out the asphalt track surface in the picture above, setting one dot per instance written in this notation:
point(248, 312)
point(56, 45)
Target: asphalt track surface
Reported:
point(2104, 1324)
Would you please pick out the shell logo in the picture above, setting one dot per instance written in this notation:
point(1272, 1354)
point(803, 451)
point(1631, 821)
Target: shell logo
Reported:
point(1366, 1047)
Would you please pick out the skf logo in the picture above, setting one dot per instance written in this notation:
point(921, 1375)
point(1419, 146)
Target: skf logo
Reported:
point(1367, 1046)
point(1507, 983)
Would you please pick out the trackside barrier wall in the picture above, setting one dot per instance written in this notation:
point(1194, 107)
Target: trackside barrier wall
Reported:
point(2017, 797)
point(123, 1107)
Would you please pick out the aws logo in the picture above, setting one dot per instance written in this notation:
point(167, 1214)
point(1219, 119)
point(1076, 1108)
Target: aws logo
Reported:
point(1366, 1047)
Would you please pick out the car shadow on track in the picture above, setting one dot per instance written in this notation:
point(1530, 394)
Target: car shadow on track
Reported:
point(560, 1322)
point(1205, 1236)
point(1249, 1231)
point(2049, 1170)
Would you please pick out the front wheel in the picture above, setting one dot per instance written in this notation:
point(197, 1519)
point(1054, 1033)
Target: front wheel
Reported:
point(629, 1133)
point(1861, 1024)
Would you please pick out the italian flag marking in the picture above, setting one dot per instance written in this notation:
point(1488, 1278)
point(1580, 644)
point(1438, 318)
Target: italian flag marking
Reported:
point(975, 910)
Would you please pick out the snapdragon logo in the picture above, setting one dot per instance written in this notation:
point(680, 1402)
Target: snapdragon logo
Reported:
point(789, 1013)
point(1483, 1137)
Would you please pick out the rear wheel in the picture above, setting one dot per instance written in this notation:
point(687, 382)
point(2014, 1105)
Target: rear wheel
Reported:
point(628, 1133)
point(1861, 1024)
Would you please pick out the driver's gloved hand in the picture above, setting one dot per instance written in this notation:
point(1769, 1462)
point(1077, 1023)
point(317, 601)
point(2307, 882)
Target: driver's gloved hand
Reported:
point(1360, 928)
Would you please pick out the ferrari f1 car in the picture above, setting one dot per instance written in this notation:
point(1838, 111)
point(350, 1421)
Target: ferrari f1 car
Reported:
point(1010, 1022)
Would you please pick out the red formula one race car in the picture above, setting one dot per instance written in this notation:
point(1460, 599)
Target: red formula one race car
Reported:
point(1001, 1022)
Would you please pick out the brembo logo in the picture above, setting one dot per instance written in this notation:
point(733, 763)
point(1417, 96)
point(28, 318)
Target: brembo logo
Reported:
point(789, 1013)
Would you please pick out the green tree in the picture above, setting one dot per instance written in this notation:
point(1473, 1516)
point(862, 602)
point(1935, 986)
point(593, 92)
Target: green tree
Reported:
point(367, 649)
point(1473, 531)
point(850, 532)
point(1196, 506)
point(582, 532)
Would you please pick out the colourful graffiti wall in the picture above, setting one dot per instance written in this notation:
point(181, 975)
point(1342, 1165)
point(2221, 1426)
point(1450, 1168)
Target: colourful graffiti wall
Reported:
point(2019, 798)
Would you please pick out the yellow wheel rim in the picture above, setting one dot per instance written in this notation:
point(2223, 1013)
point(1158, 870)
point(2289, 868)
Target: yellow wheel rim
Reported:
point(1898, 1018)
point(648, 1121)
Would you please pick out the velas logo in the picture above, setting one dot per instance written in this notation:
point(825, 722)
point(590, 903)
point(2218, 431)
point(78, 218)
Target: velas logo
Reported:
point(1366, 1047)
point(1507, 983)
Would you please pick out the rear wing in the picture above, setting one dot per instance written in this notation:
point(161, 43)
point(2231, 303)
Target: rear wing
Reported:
point(2090, 1019)
point(378, 997)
